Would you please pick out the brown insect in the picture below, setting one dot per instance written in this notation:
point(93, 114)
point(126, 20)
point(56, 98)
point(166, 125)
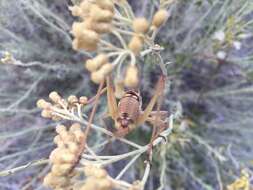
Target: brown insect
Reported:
point(128, 113)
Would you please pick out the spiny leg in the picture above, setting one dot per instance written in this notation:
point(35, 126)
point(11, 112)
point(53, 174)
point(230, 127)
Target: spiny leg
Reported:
point(111, 100)
point(144, 116)
point(148, 110)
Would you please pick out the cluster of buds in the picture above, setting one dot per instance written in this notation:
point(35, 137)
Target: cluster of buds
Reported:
point(96, 18)
point(141, 26)
point(65, 157)
point(50, 108)
point(97, 178)
point(99, 68)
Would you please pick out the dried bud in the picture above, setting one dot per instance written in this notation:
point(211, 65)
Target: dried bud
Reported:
point(55, 156)
point(83, 100)
point(131, 79)
point(99, 27)
point(73, 147)
point(46, 113)
point(97, 77)
point(140, 25)
point(78, 44)
point(58, 141)
point(160, 17)
point(77, 29)
point(72, 99)
point(100, 15)
point(106, 69)
point(75, 127)
point(60, 129)
point(106, 4)
point(55, 97)
point(43, 104)
point(98, 61)
point(68, 157)
point(135, 45)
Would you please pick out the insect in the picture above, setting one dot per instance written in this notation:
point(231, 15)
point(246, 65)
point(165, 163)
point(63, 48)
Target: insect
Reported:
point(128, 113)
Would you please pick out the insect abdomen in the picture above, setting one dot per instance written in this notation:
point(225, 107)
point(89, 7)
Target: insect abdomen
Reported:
point(129, 106)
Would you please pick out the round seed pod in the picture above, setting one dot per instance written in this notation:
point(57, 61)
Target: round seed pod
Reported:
point(100, 15)
point(93, 64)
point(55, 156)
point(76, 10)
point(106, 68)
point(131, 79)
point(55, 97)
point(99, 173)
point(58, 141)
point(41, 103)
point(72, 99)
point(78, 44)
point(77, 28)
point(140, 25)
point(90, 36)
point(60, 129)
point(99, 27)
point(75, 127)
point(135, 45)
point(97, 76)
point(46, 113)
point(106, 4)
point(73, 147)
point(68, 157)
point(105, 184)
point(83, 100)
point(159, 18)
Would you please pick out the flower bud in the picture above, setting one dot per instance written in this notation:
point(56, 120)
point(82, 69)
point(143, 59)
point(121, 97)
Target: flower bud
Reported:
point(93, 64)
point(78, 44)
point(55, 97)
point(46, 113)
point(160, 17)
point(106, 69)
point(140, 25)
point(97, 76)
point(131, 79)
point(72, 99)
point(60, 129)
point(68, 157)
point(41, 103)
point(83, 100)
point(106, 4)
point(135, 45)
point(100, 15)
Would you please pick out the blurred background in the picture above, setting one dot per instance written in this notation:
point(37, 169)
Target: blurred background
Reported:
point(209, 50)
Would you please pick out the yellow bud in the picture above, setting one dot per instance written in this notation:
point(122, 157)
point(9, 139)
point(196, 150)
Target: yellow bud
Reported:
point(96, 62)
point(43, 104)
point(60, 128)
point(48, 180)
point(73, 147)
point(72, 99)
point(77, 28)
point(135, 45)
point(140, 25)
point(83, 100)
point(160, 17)
point(97, 76)
point(46, 113)
point(76, 10)
point(131, 79)
point(75, 127)
point(105, 184)
point(99, 173)
point(105, 4)
point(100, 15)
point(58, 141)
point(106, 69)
point(55, 97)
point(55, 156)
point(68, 157)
